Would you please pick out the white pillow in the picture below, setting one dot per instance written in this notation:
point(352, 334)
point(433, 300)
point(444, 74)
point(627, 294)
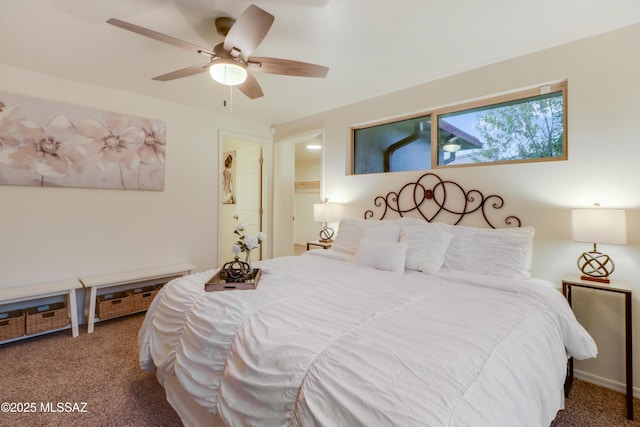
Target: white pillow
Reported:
point(383, 232)
point(426, 246)
point(405, 220)
point(504, 252)
point(389, 256)
point(350, 232)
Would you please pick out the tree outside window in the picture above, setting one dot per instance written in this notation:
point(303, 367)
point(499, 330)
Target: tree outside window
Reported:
point(519, 130)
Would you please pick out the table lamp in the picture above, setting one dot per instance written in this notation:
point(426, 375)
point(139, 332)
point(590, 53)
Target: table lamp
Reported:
point(595, 225)
point(324, 213)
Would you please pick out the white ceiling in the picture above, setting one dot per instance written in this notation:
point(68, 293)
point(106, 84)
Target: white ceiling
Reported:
point(372, 47)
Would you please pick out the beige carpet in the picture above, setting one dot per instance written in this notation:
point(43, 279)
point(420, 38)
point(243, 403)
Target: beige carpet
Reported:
point(101, 369)
point(590, 405)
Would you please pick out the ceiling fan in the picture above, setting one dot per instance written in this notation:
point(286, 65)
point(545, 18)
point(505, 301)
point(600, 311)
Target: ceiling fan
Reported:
point(230, 62)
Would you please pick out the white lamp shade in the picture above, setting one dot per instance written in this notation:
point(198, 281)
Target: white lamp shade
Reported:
point(608, 226)
point(228, 72)
point(325, 212)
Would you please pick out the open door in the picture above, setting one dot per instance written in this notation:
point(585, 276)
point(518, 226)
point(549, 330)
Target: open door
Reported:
point(249, 196)
point(242, 194)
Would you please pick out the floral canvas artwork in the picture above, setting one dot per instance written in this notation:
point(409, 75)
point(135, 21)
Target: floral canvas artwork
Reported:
point(51, 144)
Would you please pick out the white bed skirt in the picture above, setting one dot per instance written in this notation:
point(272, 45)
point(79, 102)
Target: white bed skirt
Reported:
point(191, 414)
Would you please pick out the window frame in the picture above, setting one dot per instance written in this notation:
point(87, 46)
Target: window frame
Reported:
point(434, 115)
point(392, 121)
point(521, 95)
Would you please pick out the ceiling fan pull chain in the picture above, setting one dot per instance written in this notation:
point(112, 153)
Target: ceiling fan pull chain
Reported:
point(230, 103)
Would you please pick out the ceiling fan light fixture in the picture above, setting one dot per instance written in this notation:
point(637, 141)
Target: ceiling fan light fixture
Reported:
point(228, 61)
point(228, 72)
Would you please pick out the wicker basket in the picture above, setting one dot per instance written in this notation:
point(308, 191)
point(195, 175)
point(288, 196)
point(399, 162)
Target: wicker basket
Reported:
point(141, 297)
point(11, 324)
point(46, 317)
point(113, 304)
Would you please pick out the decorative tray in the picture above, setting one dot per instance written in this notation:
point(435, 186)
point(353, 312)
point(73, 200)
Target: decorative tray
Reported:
point(216, 283)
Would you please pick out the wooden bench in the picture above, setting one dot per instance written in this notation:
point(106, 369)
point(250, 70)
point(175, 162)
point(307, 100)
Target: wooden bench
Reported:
point(45, 290)
point(128, 278)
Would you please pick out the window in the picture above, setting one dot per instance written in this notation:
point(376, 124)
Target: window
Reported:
point(403, 145)
point(520, 127)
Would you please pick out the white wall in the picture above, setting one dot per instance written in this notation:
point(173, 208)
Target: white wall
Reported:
point(603, 112)
point(49, 234)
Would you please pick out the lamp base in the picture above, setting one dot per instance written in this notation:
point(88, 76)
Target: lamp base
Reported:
point(326, 234)
point(596, 266)
point(595, 279)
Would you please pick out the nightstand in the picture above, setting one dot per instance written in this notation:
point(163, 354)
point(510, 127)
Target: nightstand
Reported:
point(324, 245)
point(618, 286)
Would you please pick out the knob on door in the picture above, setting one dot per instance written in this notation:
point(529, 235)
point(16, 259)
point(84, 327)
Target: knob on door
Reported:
point(235, 217)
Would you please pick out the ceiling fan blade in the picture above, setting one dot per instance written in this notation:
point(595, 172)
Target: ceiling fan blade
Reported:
point(249, 30)
point(286, 67)
point(159, 36)
point(251, 87)
point(185, 72)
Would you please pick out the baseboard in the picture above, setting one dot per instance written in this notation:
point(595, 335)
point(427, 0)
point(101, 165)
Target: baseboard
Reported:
point(605, 382)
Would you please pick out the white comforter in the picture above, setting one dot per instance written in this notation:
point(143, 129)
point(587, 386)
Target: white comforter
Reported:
point(322, 342)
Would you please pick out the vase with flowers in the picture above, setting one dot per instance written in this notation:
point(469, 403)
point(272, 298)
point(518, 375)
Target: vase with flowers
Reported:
point(246, 244)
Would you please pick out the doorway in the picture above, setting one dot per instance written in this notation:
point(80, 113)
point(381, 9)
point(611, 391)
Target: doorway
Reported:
point(308, 175)
point(242, 189)
point(298, 185)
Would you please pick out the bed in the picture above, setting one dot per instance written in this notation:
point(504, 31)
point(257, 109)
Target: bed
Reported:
point(403, 322)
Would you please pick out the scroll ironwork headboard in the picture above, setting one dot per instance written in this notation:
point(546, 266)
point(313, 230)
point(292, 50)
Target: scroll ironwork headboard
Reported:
point(431, 197)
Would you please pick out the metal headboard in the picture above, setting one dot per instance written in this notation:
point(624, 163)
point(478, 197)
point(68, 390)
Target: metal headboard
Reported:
point(429, 199)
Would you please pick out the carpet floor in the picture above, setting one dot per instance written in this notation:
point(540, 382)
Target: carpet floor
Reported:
point(99, 369)
point(94, 381)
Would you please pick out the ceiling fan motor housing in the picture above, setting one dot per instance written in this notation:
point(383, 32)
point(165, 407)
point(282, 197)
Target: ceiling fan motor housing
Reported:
point(224, 24)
